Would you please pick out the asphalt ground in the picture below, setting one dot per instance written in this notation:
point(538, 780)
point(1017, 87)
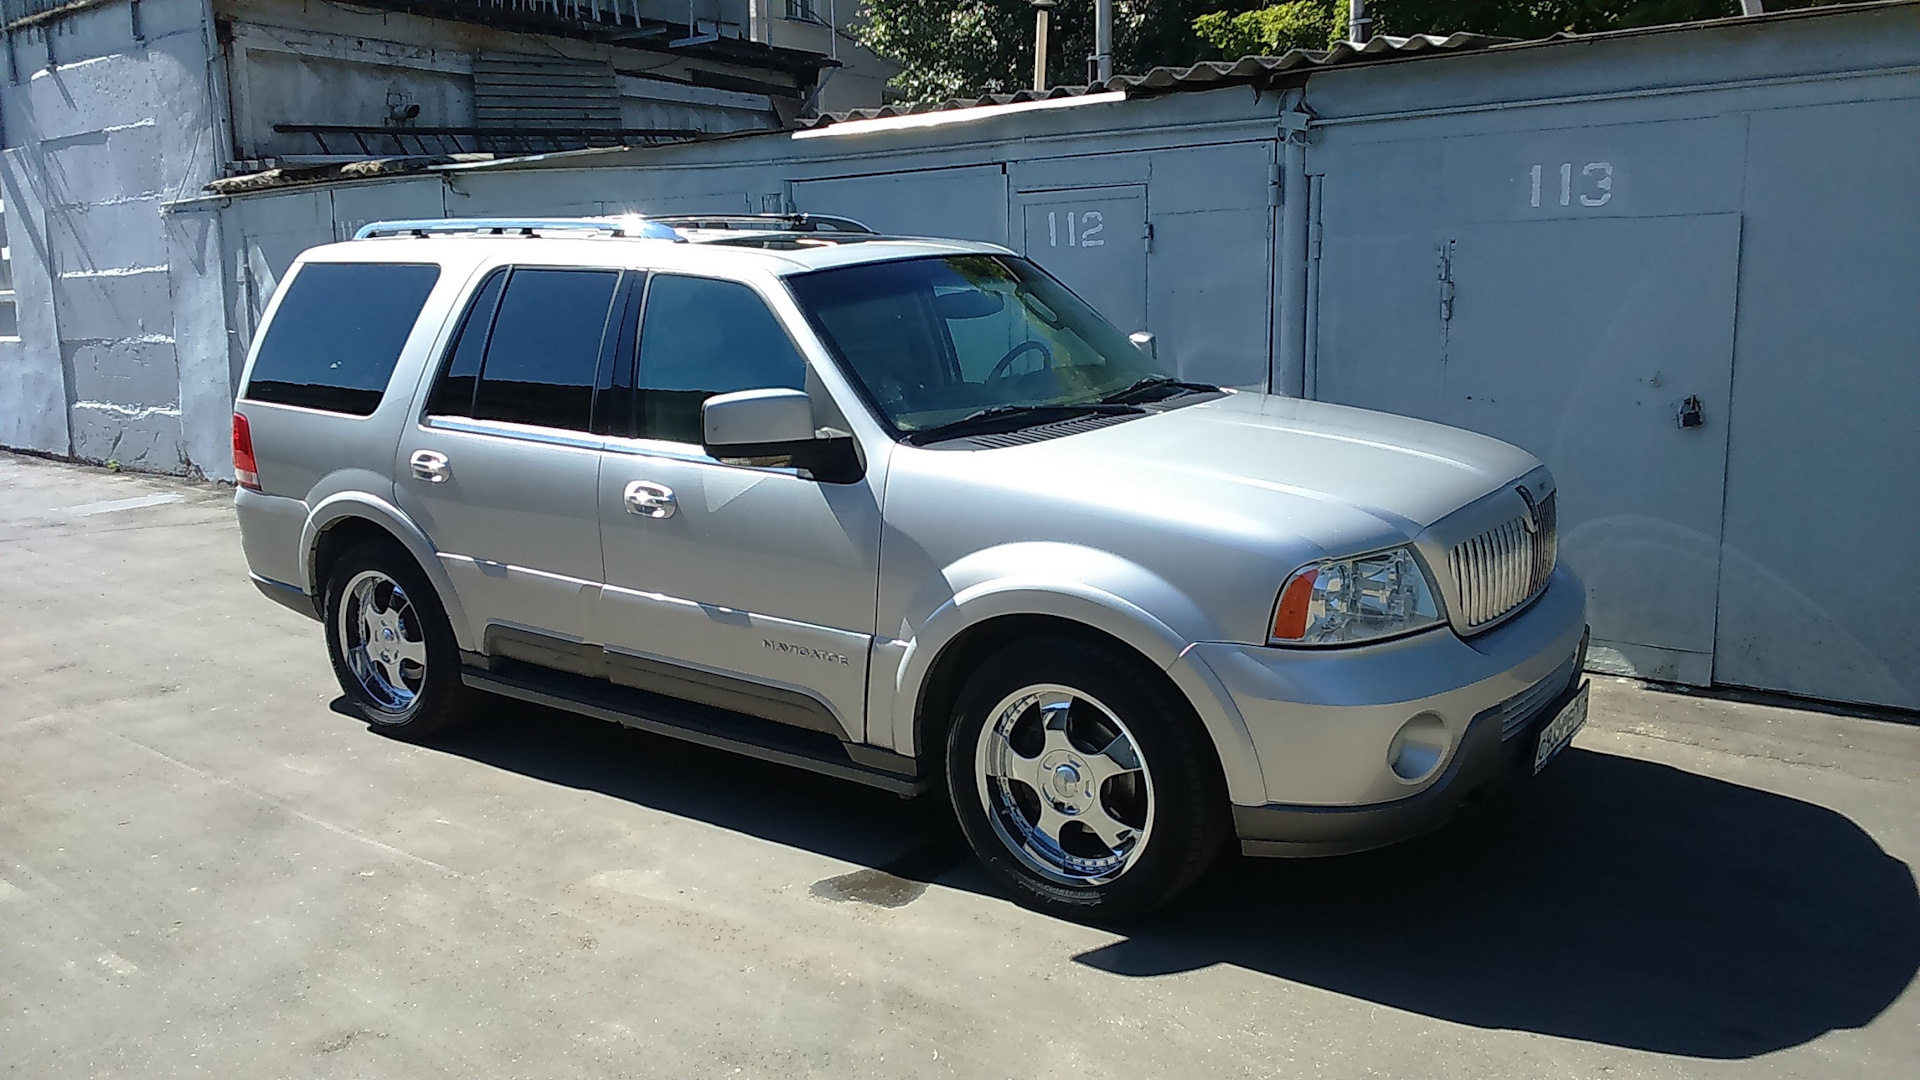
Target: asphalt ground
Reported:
point(208, 869)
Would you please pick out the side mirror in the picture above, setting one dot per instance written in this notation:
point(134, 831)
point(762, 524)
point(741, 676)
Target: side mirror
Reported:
point(777, 423)
point(1144, 341)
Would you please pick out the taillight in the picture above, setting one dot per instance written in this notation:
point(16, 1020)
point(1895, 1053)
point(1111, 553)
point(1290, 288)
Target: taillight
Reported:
point(246, 471)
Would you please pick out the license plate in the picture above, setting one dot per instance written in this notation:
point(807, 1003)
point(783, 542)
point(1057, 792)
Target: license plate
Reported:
point(1561, 729)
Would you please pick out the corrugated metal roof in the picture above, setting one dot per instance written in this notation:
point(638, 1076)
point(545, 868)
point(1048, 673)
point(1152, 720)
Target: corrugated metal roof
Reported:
point(1210, 73)
point(1205, 75)
point(1267, 70)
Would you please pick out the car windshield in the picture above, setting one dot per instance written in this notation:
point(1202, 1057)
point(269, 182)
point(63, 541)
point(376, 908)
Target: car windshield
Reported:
point(936, 340)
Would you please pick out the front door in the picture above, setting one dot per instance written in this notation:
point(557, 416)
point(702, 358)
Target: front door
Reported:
point(501, 472)
point(743, 587)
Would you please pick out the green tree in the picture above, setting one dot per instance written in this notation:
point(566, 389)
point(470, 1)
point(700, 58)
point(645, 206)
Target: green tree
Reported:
point(1536, 18)
point(1539, 18)
point(966, 48)
point(1271, 31)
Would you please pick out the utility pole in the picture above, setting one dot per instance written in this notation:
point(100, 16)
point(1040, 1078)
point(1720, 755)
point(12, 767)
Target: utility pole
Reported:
point(1042, 13)
point(1100, 64)
point(1358, 21)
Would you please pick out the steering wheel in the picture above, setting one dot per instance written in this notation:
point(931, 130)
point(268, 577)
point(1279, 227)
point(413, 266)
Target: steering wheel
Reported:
point(1006, 362)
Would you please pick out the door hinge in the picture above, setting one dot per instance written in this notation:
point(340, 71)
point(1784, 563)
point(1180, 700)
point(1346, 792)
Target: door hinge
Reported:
point(1276, 186)
point(1146, 235)
point(1446, 281)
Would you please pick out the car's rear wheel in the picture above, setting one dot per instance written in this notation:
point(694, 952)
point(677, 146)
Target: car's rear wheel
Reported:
point(1082, 780)
point(391, 645)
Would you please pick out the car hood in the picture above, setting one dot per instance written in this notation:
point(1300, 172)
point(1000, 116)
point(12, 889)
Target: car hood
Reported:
point(1293, 459)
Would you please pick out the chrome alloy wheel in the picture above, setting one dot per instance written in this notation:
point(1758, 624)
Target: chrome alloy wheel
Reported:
point(383, 642)
point(1063, 784)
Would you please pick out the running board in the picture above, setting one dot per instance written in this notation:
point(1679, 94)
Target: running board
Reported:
point(694, 723)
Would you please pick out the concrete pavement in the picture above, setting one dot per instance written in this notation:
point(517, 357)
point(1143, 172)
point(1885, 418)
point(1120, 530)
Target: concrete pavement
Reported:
point(207, 870)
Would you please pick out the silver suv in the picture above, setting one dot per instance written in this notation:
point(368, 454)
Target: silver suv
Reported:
point(906, 512)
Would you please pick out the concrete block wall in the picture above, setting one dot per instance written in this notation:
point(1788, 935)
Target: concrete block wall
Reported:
point(109, 115)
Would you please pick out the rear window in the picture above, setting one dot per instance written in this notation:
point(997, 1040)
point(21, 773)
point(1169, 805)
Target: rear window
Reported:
point(338, 333)
point(545, 348)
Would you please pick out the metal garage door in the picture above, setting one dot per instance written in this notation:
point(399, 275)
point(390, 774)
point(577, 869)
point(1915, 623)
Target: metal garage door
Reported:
point(1596, 388)
point(1094, 239)
point(966, 203)
point(1822, 559)
point(1567, 290)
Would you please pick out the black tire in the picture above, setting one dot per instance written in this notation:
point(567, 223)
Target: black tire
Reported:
point(439, 700)
point(1188, 825)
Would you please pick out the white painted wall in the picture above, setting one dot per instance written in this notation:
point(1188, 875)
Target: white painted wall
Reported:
point(108, 119)
point(133, 323)
point(861, 80)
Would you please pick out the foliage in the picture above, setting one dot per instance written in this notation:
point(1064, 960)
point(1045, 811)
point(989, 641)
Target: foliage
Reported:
point(1272, 31)
point(967, 48)
point(1539, 18)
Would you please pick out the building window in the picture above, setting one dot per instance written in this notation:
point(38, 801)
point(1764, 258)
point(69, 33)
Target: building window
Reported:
point(9, 312)
point(803, 11)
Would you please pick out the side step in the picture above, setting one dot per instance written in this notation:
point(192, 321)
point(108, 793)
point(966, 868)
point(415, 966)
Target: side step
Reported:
point(695, 723)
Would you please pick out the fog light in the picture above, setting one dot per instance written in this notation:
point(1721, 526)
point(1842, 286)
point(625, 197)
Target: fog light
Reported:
point(1418, 748)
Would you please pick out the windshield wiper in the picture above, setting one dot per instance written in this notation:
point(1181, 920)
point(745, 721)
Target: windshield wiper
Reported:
point(1172, 387)
point(1012, 417)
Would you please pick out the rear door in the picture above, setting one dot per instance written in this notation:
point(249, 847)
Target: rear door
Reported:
point(501, 471)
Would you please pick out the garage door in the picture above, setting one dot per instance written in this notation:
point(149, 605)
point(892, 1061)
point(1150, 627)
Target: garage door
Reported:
point(968, 203)
point(1094, 239)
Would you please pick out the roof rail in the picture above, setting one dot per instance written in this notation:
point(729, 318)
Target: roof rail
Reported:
point(775, 222)
point(630, 226)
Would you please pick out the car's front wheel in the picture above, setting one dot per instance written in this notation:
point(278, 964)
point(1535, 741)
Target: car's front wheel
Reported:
point(1082, 780)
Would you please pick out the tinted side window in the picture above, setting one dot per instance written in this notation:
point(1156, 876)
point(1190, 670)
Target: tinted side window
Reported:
point(701, 337)
point(545, 349)
point(453, 393)
point(338, 333)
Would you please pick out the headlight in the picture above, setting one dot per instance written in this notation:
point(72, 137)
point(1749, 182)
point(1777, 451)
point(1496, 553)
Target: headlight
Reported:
point(1337, 601)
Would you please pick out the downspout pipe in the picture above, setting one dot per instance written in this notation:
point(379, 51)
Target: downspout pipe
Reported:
point(1289, 374)
point(1102, 42)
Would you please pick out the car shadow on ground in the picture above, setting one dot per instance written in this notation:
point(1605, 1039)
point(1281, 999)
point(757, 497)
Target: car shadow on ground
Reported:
point(1616, 900)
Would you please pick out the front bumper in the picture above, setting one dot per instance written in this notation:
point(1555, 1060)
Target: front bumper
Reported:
point(1319, 726)
point(1484, 763)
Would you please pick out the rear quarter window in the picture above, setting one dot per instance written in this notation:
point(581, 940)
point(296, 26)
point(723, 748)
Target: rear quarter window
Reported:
point(337, 335)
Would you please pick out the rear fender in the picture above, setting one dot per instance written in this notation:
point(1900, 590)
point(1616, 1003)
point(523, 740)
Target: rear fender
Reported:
point(335, 509)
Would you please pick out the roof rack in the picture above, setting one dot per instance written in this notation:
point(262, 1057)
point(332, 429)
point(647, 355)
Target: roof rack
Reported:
point(630, 226)
point(773, 222)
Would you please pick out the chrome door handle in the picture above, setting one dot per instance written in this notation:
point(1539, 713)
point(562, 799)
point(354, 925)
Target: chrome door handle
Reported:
point(648, 499)
point(431, 466)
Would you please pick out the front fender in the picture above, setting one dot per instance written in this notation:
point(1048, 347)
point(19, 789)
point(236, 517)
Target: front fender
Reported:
point(334, 509)
point(1093, 588)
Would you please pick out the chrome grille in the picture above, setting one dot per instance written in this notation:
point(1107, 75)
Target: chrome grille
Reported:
point(1506, 566)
